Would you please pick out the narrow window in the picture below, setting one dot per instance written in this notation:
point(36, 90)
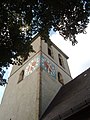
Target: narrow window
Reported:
point(24, 58)
point(50, 51)
point(60, 79)
point(60, 60)
point(21, 76)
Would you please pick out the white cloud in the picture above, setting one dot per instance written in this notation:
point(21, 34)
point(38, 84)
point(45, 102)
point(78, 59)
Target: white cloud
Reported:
point(79, 57)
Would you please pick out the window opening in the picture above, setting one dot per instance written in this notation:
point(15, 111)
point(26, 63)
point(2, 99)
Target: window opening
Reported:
point(21, 76)
point(60, 60)
point(60, 79)
point(50, 51)
point(25, 58)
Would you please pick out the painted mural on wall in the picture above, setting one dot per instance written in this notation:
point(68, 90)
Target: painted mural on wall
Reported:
point(48, 66)
point(44, 63)
point(33, 65)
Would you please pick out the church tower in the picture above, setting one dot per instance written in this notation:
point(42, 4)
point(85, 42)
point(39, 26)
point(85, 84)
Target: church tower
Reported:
point(33, 85)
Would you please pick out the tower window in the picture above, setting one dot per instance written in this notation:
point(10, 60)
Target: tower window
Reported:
point(21, 76)
point(50, 51)
point(24, 58)
point(60, 60)
point(60, 78)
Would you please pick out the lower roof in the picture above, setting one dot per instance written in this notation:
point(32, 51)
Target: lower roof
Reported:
point(71, 98)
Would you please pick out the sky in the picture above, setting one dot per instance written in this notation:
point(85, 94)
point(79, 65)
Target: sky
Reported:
point(79, 56)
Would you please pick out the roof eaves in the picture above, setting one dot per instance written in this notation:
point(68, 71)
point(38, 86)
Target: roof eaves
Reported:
point(73, 110)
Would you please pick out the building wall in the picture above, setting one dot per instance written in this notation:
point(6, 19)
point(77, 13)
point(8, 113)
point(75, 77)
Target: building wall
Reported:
point(49, 83)
point(64, 70)
point(36, 46)
point(21, 100)
point(28, 99)
point(49, 88)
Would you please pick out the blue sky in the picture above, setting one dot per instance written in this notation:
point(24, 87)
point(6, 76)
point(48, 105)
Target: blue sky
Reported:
point(79, 56)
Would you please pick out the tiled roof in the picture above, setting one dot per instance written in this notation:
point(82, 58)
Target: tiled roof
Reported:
point(71, 98)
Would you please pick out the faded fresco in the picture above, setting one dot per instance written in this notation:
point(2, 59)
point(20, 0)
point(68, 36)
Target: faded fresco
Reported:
point(40, 61)
point(33, 65)
point(48, 66)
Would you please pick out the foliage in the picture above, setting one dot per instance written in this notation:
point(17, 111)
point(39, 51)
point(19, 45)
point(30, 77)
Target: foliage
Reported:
point(20, 20)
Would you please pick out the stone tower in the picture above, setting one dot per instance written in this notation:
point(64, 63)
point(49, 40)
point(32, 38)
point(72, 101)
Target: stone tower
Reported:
point(33, 85)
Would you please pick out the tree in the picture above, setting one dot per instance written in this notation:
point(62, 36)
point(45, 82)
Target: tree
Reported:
point(20, 20)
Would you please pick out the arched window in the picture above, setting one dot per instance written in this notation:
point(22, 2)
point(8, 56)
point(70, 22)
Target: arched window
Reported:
point(21, 76)
point(60, 78)
point(60, 60)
